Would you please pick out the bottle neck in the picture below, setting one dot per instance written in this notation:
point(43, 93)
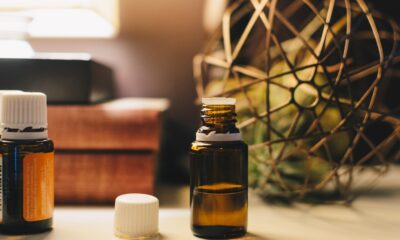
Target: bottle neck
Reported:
point(218, 124)
point(219, 115)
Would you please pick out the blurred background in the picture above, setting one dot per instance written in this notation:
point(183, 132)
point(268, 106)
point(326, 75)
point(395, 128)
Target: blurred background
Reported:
point(151, 56)
point(119, 75)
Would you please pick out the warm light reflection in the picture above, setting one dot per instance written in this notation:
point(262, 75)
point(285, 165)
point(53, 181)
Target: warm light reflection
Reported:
point(137, 103)
point(62, 18)
point(15, 49)
point(69, 23)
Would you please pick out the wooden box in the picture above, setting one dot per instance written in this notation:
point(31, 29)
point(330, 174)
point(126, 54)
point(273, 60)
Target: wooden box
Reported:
point(105, 150)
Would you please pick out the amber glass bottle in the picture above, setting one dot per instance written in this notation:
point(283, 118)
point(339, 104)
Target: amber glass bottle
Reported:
point(218, 165)
point(27, 165)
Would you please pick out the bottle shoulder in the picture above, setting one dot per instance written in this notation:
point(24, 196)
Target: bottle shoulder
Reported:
point(39, 145)
point(25, 141)
point(196, 145)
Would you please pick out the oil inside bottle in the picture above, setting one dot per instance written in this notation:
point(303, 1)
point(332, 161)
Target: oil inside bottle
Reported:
point(219, 208)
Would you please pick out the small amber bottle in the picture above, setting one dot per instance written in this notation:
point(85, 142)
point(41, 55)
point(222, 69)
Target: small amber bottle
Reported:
point(218, 180)
point(27, 165)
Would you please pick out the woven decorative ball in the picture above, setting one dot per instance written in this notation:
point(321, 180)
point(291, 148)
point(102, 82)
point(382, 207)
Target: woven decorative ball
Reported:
point(310, 78)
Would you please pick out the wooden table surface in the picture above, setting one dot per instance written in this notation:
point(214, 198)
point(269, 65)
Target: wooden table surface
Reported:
point(376, 215)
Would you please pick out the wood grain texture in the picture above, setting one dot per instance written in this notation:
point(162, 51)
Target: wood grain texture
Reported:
point(82, 178)
point(96, 127)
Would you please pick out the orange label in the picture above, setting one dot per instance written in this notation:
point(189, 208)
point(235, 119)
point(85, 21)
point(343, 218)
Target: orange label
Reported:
point(38, 186)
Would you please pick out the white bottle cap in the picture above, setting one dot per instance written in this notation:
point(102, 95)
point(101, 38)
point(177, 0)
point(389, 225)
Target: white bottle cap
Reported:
point(136, 216)
point(22, 110)
point(1, 97)
point(218, 101)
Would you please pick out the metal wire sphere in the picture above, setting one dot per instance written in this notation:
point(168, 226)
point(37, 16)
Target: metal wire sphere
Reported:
point(309, 76)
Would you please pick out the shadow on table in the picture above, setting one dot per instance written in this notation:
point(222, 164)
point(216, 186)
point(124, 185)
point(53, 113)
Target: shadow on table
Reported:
point(248, 236)
point(377, 192)
point(251, 236)
point(38, 236)
point(330, 198)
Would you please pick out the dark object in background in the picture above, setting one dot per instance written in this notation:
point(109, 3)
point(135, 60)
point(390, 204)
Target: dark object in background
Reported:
point(65, 80)
point(388, 8)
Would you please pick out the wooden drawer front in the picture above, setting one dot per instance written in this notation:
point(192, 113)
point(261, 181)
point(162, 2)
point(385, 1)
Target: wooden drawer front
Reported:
point(101, 177)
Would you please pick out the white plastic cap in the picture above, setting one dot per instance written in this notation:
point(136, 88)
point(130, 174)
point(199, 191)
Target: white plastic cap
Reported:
point(136, 216)
point(2, 92)
point(218, 101)
point(21, 110)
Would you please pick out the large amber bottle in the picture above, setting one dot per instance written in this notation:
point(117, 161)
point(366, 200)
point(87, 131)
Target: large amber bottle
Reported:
point(218, 165)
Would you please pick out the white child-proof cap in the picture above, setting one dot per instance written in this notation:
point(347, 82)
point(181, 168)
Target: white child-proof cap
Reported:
point(136, 216)
point(22, 110)
point(2, 92)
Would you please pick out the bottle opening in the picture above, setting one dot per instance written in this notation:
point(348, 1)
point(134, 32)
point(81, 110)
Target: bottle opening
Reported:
point(218, 118)
point(218, 101)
